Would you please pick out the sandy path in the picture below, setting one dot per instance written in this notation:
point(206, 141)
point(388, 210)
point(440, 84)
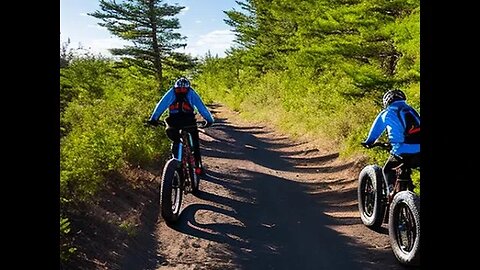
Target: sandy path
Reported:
point(268, 202)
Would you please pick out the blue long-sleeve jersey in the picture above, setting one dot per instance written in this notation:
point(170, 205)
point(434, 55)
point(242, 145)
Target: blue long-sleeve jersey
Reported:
point(193, 99)
point(388, 120)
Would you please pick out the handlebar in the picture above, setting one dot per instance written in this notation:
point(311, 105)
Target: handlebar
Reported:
point(200, 124)
point(385, 145)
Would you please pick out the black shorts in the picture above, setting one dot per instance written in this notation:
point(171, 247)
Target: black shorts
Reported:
point(180, 120)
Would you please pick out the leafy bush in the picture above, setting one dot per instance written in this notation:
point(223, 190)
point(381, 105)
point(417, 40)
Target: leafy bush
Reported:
point(103, 124)
point(66, 248)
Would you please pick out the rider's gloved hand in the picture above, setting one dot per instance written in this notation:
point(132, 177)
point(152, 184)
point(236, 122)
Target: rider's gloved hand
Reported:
point(366, 145)
point(207, 124)
point(152, 122)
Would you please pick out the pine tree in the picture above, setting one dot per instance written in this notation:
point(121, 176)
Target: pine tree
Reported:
point(244, 24)
point(150, 25)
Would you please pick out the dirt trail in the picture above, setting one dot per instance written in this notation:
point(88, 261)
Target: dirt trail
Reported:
point(267, 203)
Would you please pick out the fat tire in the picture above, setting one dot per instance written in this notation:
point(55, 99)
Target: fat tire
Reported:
point(170, 171)
point(411, 201)
point(372, 173)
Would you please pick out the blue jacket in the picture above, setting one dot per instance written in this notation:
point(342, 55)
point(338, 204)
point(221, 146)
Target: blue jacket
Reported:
point(192, 97)
point(388, 119)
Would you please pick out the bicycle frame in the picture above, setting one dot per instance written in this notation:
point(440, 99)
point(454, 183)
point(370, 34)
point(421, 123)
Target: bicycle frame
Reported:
point(178, 178)
point(186, 137)
point(403, 181)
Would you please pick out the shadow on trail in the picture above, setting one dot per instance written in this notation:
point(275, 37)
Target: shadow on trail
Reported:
point(283, 229)
point(231, 142)
point(279, 223)
point(309, 160)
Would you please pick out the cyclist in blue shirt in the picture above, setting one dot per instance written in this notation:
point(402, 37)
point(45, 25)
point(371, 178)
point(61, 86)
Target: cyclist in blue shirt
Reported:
point(404, 151)
point(181, 101)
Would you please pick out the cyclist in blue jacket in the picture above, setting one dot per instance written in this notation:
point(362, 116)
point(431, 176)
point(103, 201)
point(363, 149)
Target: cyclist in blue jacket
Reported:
point(181, 101)
point(404, 150)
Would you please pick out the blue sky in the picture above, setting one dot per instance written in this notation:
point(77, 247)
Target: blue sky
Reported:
point(201, 22)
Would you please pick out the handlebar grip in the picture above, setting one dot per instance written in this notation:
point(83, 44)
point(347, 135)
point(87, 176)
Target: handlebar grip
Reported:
point(154, 123)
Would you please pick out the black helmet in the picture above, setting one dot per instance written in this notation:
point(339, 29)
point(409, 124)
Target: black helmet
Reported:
point(391, 96)
point(182, 82)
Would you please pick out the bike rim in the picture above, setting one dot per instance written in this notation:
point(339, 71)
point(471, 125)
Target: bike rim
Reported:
point(405, 228)
point(194, 177)
point(194, 180)
point(368, 197)
point(176, 193)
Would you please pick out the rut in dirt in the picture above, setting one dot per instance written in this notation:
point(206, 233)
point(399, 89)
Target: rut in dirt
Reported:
point(267, 217)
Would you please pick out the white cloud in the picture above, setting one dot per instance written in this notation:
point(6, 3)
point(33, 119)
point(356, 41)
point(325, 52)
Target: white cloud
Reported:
point(96, 26)
point(198, 21)
point(84, 14)
point(216, 41)
point(102, 45)
point(184, 11)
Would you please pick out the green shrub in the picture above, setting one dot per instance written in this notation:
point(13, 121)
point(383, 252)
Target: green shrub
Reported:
point(66, 247)
point(103, 125)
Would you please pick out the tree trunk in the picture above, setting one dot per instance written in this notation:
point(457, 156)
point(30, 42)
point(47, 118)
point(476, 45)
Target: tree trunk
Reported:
point(156, 48)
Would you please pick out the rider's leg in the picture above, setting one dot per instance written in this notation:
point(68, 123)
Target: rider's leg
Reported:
point(388, 170)
point(412, 160)
point(174, 135)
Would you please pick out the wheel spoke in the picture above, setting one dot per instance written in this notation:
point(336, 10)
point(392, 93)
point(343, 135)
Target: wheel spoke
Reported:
point(406, 233)
point(369, 197)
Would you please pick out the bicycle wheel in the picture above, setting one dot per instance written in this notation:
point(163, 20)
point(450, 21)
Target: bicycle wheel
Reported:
point(171, 193)
point(370, 196)
point(404, 227)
